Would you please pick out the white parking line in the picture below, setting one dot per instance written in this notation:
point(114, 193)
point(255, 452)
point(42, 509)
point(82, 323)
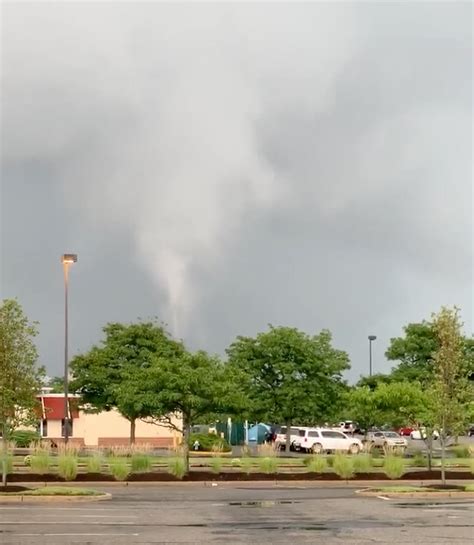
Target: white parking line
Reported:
point(61, 522)
point(383, 498)
point(83, 535)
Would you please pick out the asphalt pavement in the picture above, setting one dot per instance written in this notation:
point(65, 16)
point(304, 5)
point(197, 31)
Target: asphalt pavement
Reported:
point(237, 513)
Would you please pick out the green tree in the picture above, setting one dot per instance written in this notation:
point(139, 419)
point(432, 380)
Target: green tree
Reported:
point(361, 405)
point(111, 375)
point(415, 350)
point(289, 376)
point(374, 380)
point(180, 392)
point(453, 393)
point(20, 376)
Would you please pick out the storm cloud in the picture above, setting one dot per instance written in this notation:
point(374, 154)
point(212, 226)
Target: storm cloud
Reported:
point(226, 166)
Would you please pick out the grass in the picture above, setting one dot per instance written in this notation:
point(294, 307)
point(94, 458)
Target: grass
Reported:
point(461, 451)
point(407, 489)
point(9, 459)
point(55, 491)
point(394, 467)
point(216, 464)
point(40, 462)
point(119, 468)
point(94, 464)
point(316, 463)
point(177, 467)
point(67, 466)
point(343, 466)
point(268, 465)
point(141, 463)
point(362, 463)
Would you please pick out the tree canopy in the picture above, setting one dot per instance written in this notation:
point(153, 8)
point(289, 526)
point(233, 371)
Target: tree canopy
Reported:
point(289, 376)
point(415, 351)
point(111, 374)
point(20, 376)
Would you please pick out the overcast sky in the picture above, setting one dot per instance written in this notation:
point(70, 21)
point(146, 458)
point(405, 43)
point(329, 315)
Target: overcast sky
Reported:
point(227, 166)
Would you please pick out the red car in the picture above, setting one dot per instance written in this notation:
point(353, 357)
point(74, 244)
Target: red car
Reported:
point(405, 431)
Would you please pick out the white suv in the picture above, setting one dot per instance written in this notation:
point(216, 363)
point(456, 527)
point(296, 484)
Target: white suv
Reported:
point(322, 440)
point(281, 437)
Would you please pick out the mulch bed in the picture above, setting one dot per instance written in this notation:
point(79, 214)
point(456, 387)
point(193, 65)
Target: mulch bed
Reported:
point(13, 488)
point(422, 475)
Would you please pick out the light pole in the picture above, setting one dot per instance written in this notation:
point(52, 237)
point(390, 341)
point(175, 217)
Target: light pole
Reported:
point(66, 260)
point(371, 339)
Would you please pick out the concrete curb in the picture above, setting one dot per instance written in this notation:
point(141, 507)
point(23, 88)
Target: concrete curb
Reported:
point(18, 498)
point(383, 494)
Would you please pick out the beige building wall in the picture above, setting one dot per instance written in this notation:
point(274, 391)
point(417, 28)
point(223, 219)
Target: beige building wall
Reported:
point(110, 428)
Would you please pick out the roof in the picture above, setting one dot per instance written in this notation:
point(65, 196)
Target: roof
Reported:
point(53, 407)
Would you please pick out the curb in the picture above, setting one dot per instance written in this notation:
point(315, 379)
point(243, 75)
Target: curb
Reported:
point(18, 498)
point(385, 495)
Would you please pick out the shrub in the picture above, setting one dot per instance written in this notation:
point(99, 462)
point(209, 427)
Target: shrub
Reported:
point(67, 467)
point(207, 441)
point(40, 462)
point(216, 464)
point(247, 464)
point(316, 463)
point(268, 464)
point(9, 459)
point(23, 438)
point(236, 462)
point(343, 466)
point(419, 460)
point(330, 460)
point(141, 463)
point(94, 463)
point(362, 463)
point(177, 467)
point(394, 467)
point(461, 451)
point(472, 465)
point(119, 468)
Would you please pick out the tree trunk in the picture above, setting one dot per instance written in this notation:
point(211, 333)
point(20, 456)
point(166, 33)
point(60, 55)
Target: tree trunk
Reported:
point(429, 447)
point(133, 423)
point(288, 436)
point(4, 455)
point(185, 445)
point(442, 440)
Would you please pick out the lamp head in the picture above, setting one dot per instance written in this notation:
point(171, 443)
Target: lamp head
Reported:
point(68, 259)
point(372, 337)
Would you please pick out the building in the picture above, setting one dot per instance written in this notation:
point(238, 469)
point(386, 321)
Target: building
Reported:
point(107, 428)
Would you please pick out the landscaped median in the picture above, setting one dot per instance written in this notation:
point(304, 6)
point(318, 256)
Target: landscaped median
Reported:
point(50, 493)
point(265, 464)
point(428, 491)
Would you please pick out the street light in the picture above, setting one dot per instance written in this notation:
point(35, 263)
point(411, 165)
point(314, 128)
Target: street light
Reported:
point(66, 260)
point(371, 339)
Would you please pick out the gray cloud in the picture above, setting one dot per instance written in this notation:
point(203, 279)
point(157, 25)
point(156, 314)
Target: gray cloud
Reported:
point(228, 166)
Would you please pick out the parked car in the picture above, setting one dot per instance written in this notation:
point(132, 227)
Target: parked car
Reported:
point(323, 440)
point(421, 434)
point(383, 439)
point(470, 431)
point(406, 431)
point(280, 439)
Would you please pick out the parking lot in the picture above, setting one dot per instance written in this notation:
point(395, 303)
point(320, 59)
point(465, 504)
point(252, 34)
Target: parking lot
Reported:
point(197, 513)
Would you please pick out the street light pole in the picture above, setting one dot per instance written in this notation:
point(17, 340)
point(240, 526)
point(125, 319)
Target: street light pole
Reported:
point(371, 339)
point(67, 259)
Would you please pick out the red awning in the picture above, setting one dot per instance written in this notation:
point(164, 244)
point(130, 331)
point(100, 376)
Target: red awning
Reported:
point(54, 408)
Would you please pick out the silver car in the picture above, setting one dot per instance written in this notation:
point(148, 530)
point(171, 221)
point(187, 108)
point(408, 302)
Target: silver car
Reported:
point(384, 439)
